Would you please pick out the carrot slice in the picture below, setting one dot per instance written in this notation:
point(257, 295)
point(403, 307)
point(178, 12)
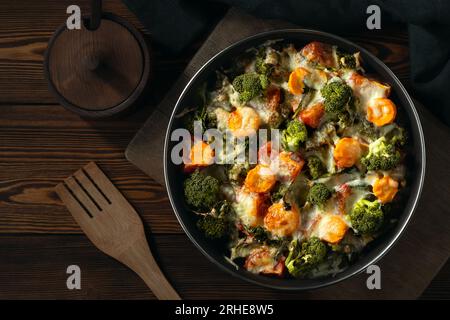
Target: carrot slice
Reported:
point(332, 228)
point(201, 155)
point(347, 152)
point(281, 222)
point(381, 111)
point(311, 116)
point(260, 179)
point(289, 165)
point(295, 83)
point(235, 120)
point(385, 189)
point(243, 122)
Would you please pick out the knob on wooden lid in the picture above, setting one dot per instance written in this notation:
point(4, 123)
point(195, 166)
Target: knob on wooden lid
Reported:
point(98, 72)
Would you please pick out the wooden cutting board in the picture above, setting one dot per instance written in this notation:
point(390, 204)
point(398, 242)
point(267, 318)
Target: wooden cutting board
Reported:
point(425, 246)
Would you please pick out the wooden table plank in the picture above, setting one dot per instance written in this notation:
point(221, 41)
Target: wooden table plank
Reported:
point(34, 267)
point(25, 28)
point(26, 260)
point(41, 145)
point(103, 277)
point(439, 288)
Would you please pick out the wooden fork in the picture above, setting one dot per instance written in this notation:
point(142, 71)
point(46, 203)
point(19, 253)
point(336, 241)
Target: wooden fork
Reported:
point(112, 225)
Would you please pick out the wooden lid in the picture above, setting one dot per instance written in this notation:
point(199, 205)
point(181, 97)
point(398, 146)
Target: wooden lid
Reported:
point(100, 72)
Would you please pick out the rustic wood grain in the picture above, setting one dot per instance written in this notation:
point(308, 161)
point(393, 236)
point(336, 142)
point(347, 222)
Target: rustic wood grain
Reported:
point(26, 28)
point(41, 143)
point(439, 287)
point(112, 225)
point(192, 275)
point(98, 73)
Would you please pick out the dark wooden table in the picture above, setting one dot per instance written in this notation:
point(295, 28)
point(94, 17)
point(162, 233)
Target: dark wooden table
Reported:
point(41, 143)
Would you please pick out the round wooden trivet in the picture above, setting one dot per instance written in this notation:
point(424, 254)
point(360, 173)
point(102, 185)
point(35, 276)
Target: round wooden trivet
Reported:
point(97, 73)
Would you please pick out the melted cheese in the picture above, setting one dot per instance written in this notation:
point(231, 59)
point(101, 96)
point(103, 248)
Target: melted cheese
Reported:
point(286, 166)
point(260, 106)
point(222, 119)
point(262, 260)
point(365, 89)
point(310, 216)
point(234, 99)
point(329, 221)
point(331, 228)
point(316, 78)
point(247, 208)
point(291, 58)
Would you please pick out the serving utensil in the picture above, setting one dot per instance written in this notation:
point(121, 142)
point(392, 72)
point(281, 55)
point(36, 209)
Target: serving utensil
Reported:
point(112, 225)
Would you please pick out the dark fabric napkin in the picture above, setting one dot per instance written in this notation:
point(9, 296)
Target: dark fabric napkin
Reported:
point(176, 23)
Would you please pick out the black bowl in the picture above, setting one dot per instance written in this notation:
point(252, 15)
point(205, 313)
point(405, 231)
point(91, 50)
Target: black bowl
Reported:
point(407, 116)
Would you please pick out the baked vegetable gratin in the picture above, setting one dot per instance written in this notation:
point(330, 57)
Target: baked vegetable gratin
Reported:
point(308, 207)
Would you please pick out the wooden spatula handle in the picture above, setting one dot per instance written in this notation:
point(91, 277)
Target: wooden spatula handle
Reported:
point(139, 259)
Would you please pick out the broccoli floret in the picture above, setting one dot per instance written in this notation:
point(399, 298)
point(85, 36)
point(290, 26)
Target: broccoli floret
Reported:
point(325, 135)
point(382, 155)
point(205, 119)
point(238, 171)
point(400, 139)
point(264, 81)
point(201, 115)
point(261, 65)
point(213, 227)
point(279, 192)
point(366, 130)
point(397, 136)
point(315, 167)
point(201, 191)
point(263, 68)
point(306, 256)
point(216, 223)
point(318, 194)
point(344, 120)
point(250, 85)
point(346, 60)
point(336, 94)
point(293, 135)
point(366, 216)
point(259, 233)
